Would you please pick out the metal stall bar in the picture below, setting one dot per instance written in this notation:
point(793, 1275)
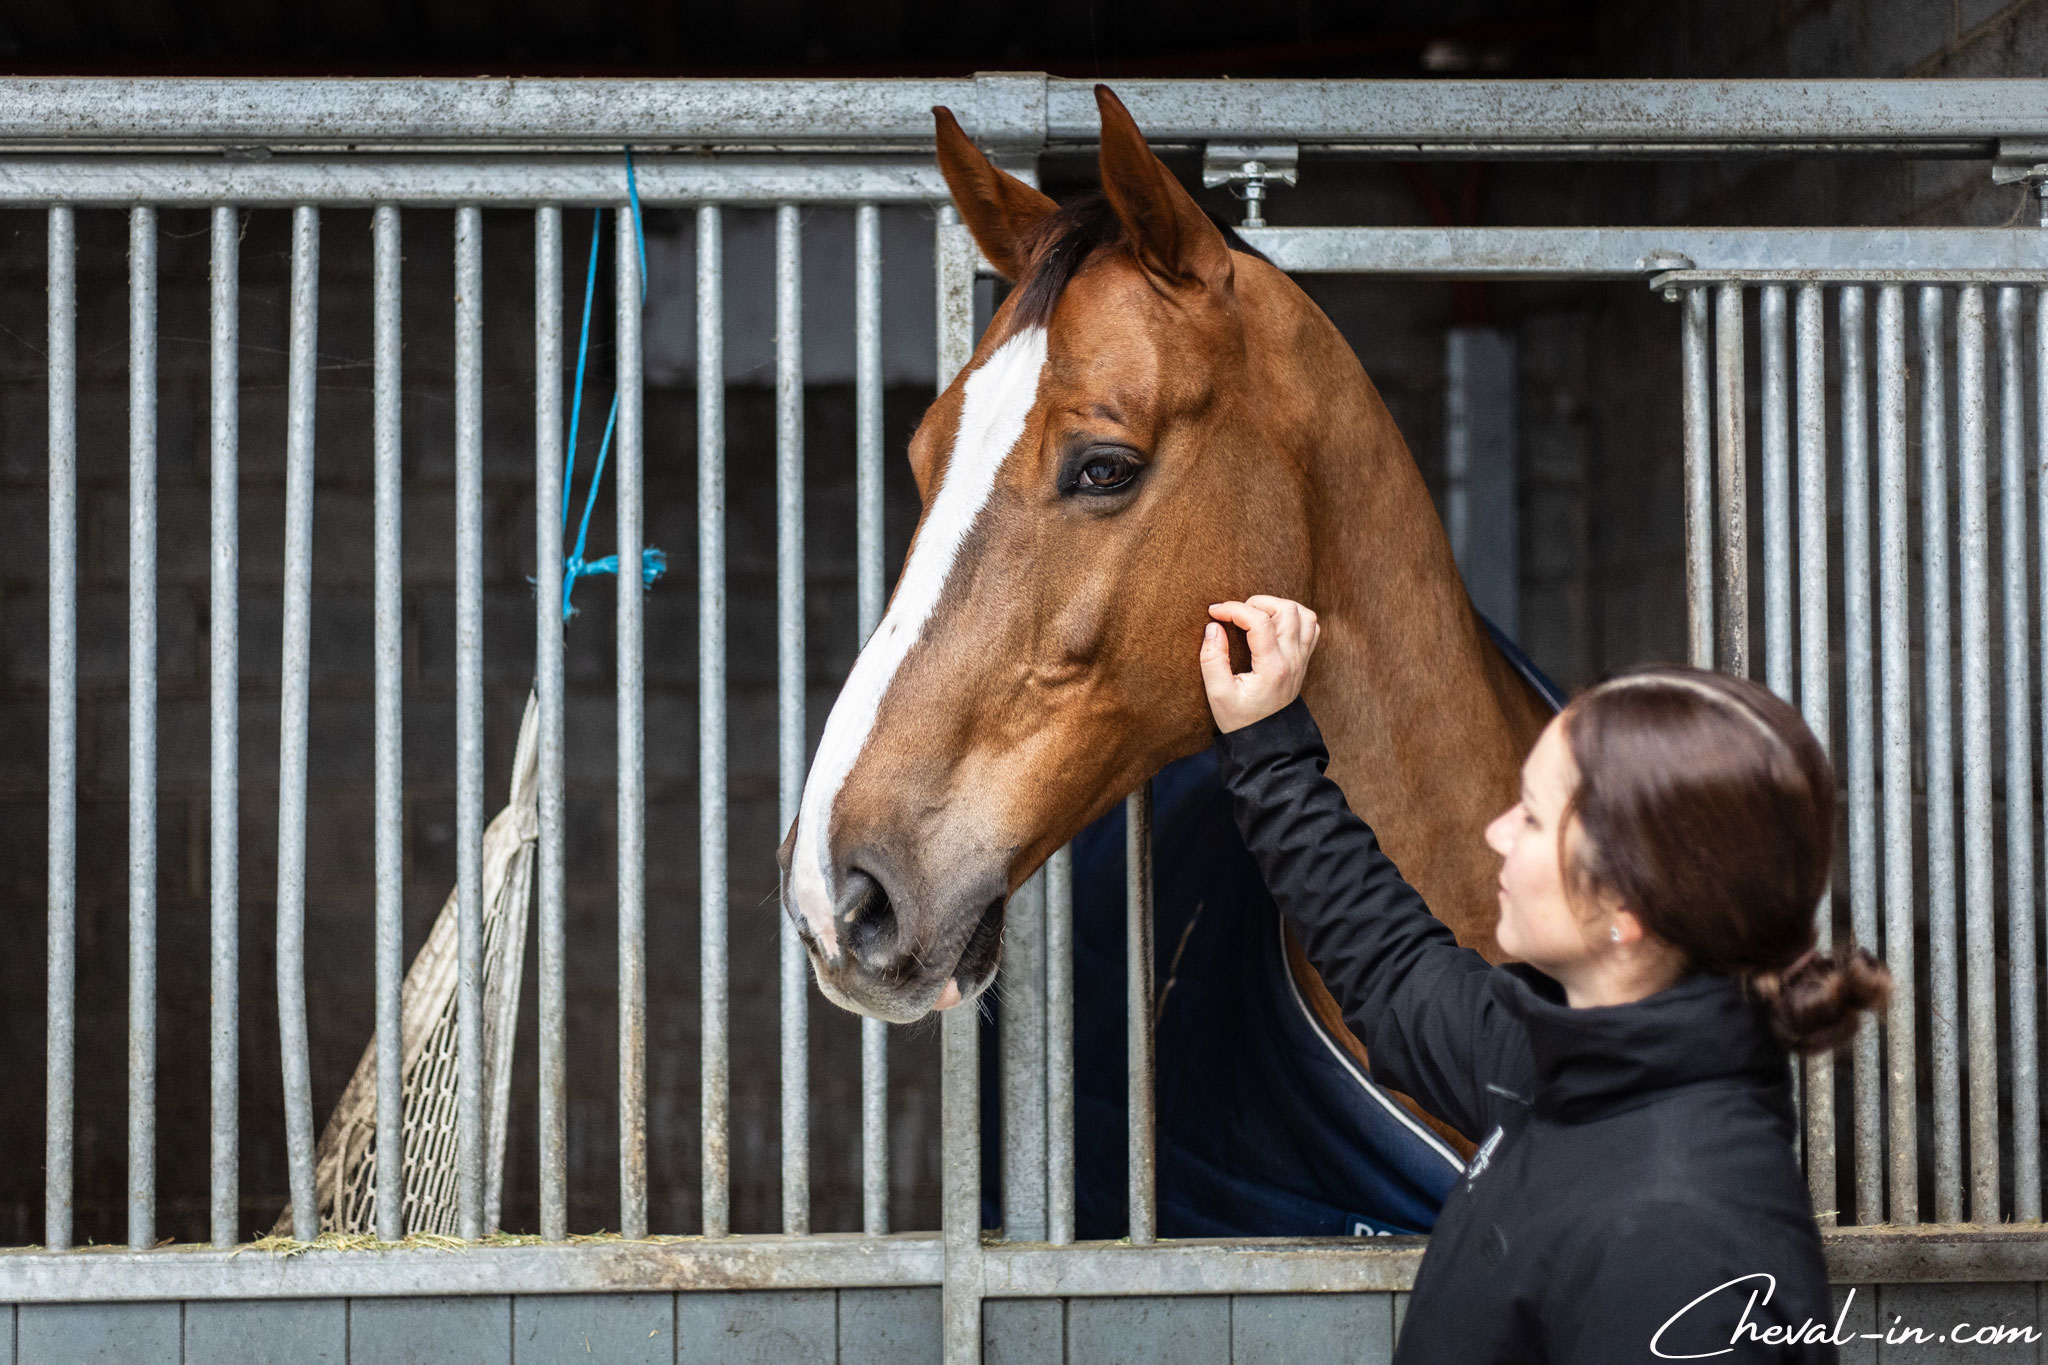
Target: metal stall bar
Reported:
point(224, 870)
point(959, 1029)
point(631, 688)
point(789, 699)
point(2041, 532)
point(1144, 1210)
point(61, 1065)
point(870, 591)
point(1810, 381)
point(548, 680)
point(1943, 1006)
point(1699, 481)
point(1860, 699)
point(1777, 519)
point(1895, 732)
point(1777, 481)
point(1022, 1022)
point(292, 708)
point(387, 387)
point(1059, 1047)
point(714, 1060)
point(1979, 923)
point(1731, 449)
point(469, 719)
point(142, 728)
point(2019, 765)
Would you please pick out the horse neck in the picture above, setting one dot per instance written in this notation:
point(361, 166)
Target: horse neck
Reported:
point(1427, 725)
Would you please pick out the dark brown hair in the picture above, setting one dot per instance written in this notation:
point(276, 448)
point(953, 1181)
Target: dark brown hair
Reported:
point(1708, 808)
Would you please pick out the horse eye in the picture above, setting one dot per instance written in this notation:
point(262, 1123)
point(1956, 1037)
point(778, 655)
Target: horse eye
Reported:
point(1106, 472)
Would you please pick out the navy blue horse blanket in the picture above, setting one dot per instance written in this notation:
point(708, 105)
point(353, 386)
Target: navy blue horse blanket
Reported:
point(1266, 1126)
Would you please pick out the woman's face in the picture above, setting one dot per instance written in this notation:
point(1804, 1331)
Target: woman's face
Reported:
point(1537, 923)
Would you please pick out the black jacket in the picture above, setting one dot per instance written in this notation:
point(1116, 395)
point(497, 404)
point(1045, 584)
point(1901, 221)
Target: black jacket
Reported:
point(1632, 1157)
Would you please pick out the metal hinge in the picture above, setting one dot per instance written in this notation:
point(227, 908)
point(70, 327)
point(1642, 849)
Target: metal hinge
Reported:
point(1247, 168)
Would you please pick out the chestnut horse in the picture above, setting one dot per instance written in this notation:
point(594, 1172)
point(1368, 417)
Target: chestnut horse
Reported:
point(1153, 422)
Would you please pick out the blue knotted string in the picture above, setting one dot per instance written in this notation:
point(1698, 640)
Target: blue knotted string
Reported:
point(653, 563)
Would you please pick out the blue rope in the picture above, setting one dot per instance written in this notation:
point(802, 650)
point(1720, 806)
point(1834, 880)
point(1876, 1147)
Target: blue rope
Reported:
point(653, 563)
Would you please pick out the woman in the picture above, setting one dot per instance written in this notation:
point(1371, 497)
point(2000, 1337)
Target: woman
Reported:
point(1634, 1195)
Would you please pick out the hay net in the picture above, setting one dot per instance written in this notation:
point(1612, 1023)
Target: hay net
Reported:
point(346, 1160)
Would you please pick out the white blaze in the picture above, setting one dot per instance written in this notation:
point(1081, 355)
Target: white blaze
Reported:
point(998, 399)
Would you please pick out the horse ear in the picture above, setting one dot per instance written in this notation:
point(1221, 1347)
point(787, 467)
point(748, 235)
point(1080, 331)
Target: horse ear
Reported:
point(1175, 241)
point(997, 208)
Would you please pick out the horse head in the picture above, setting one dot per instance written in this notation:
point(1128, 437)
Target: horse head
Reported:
point(1114, 458)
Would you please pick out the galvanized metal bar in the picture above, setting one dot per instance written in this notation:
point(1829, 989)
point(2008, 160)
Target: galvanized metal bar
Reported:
point(293, 700)
point(142, 628)
point(1731, 450)
point(1979, 914)
point(1138, 1006)
point(714, 1060)
point(469, 719)
point(631, 693)
point(548, 685)
point(343, 180)
point(1810, 381)
point(1398, 117)
point(789, 697)
point(60, 1068)
point(2041, 532)
point(387, 384)
point(852, 1261)
point(1944, 1012)
point(870, 593)
point(2025, 1122)
point(1895, 740)
point(1860, 688)
point(223, 687)
point(953, 258)
point(1699, 481)
point(1777, 488)
point(1789, 256)
point(1022, 1025)
point(1059, 1047)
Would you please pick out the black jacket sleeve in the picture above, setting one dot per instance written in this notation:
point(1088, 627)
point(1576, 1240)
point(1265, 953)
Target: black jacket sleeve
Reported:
point(1431, 1024)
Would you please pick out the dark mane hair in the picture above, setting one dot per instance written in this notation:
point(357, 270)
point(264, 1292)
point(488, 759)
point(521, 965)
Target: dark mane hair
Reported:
point(1063, 241)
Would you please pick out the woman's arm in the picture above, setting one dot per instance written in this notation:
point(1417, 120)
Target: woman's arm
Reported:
point(1423, 1006)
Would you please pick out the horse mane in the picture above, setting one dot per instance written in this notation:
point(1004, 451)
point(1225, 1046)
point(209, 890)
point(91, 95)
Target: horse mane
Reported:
point(1063, 241)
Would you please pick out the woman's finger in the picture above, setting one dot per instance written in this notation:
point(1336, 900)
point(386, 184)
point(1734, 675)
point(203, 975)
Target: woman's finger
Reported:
point(1216, 674)
point(1256, 624)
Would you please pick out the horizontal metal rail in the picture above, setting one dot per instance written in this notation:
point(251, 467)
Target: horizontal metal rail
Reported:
point(1930, 117)
point(1707, 255)
point(117, 182)
point(853, 1261)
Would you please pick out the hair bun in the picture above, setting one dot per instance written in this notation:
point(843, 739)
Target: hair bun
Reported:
point(1815, 999)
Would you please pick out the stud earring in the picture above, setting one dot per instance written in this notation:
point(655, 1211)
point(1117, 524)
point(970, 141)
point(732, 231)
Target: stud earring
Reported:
point(1614, 932)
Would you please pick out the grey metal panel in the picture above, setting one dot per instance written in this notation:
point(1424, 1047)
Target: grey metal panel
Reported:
point(1357, 1328)
point(1149, 1331)
point(1022, 1024)
point(431, 1331)
point(7, 1334)
point(1861, 1302)
point(576, 1329)
point(1023, 1332)
point(788, 1328)
point(1939, 1309)
point(1400, 1314)
point(889, 1327)
point(1634, 253)
point(260, 1331)
point(96, 1333)
point(1017, 108)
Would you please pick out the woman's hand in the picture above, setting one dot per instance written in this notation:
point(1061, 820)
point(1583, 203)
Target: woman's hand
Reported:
point(1282, 635)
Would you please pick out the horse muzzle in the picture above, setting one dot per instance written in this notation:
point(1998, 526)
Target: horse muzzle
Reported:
point(898, 955)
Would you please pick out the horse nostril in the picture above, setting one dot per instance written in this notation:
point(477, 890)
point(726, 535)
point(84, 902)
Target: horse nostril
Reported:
point(869, 919)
